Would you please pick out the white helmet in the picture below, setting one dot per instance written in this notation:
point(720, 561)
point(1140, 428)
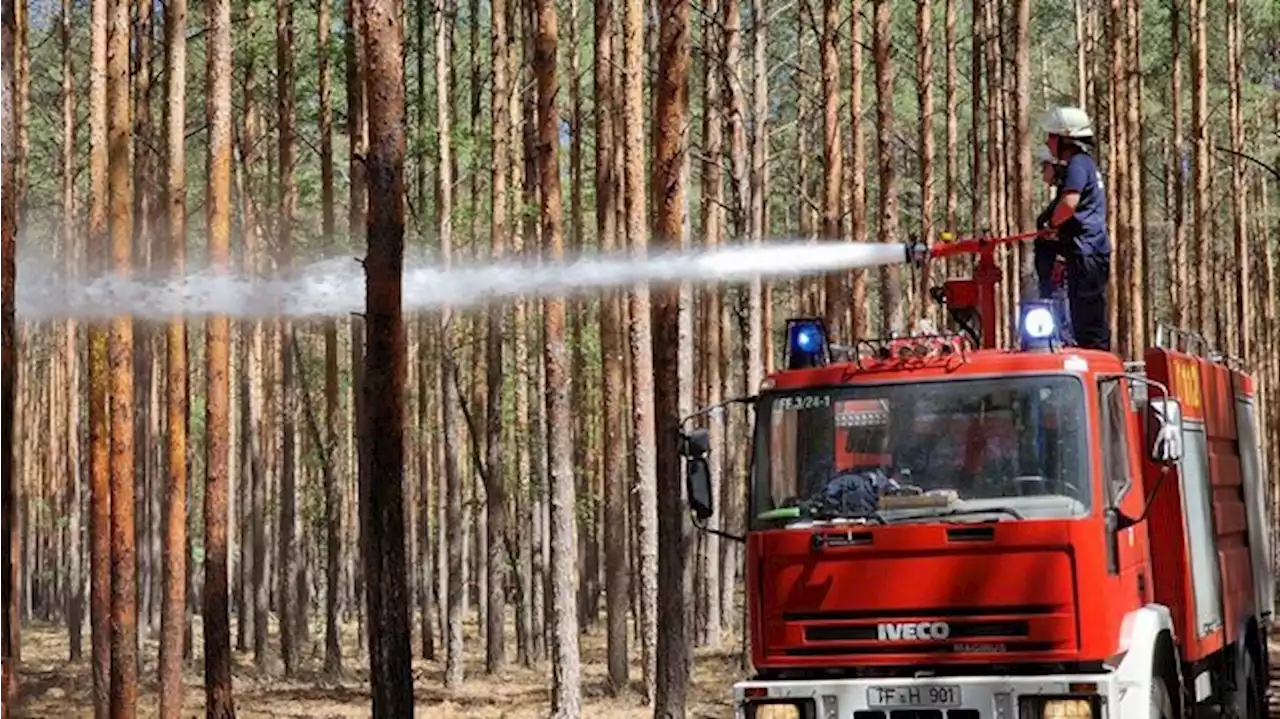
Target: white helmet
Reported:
point(1072, 122)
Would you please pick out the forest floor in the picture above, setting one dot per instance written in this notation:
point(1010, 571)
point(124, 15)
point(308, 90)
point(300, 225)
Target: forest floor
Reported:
point(49, 686)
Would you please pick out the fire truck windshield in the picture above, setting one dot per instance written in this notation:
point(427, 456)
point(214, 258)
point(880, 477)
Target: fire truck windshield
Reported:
point(1007, 448)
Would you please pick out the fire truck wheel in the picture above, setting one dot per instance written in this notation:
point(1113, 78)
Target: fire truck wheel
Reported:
point(1245, 702)
point(1161, 704)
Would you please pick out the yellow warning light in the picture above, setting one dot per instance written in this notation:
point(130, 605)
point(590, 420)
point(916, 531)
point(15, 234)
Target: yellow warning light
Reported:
point(1068, 709)
point(946, 236)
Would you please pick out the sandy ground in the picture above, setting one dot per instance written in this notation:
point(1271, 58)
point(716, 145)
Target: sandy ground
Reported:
point(50, 686)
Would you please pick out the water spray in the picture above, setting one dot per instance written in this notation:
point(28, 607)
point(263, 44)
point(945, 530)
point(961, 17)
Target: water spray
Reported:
point(336, 287)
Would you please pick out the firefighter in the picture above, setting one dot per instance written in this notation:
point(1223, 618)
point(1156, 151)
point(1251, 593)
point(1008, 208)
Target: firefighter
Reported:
point(1048, 250)
point(1080, 219)
point(1051, 269)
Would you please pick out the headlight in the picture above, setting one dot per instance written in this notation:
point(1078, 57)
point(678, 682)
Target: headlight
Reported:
point(782, 709)
point(1059, 708)
point(777, 711)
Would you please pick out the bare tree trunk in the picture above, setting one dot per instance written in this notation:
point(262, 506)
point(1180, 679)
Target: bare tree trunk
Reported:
point(611, 355)
point(357, 143)
point(175, 559)
point(1024, 213)
point(453, 579)
point(712, 228)
point(97, 256)
point(952, 141)
point(671, 110)
point(217, 630)
point(1239, 187)
point(975, 111)
point(8, 350)
point(495, 485)
point(891, 295)
point(860, 316)
point(124, 610)
point(71, 357)
point(384, 553)
point(332, 487)
point(833, 156)
point(1200, 197)
point(924, 96)
point(758, 295)
point(1180, 295)
point(287, 570)
point(642, 417)
point(566, 696)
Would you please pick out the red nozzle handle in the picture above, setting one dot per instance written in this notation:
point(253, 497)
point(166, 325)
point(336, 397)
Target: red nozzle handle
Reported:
point(977, 243)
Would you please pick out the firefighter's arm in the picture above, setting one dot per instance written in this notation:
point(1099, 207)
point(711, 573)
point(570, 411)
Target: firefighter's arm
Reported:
point(1065, 209)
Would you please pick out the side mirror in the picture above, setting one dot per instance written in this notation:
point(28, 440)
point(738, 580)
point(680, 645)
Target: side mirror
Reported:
point(696, 443)
point(697, 479)
point(1164, 430)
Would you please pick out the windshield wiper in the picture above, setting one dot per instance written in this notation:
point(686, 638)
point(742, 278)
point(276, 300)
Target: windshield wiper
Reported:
point(986, 510)
point(802, 512)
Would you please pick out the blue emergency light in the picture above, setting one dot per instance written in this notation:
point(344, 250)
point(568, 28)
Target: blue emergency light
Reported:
point(806, 343)
point(1038, 326)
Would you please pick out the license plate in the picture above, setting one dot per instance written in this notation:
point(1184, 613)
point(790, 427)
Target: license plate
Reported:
point(922, 695)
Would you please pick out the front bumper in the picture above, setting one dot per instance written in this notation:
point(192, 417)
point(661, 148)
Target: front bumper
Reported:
point(979, 697)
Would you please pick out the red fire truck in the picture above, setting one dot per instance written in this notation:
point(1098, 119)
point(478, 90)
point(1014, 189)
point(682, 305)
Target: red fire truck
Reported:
point(939, 528)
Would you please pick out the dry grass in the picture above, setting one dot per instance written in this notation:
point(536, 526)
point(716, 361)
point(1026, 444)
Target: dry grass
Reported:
point(50, 686)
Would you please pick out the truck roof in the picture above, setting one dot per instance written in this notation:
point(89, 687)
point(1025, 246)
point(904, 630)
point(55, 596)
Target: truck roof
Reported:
point(936, 359)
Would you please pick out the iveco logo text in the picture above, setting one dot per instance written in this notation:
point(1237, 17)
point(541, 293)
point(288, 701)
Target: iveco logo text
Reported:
point(909, 631)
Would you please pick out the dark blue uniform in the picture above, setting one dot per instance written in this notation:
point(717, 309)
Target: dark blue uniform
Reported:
point(1085, 245)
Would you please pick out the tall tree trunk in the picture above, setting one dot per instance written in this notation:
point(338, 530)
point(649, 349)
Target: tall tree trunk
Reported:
point(891, 294)
point(357, 143)
point(287, 571)
point(611, 355)
point(577, 312)
point(8, 350)
point(642, 416)
point(453, 578)
point(833, 156)
point(924, 96)
point(758, 295)
point(952, 141)
point(712, 348)
point(332, 487)
point(1180, 295)
point(478, 527)
point(255, 433)
point(1024, 212)
point(217, 629)
point(671, 110)
point(427, 372)
point(859, 319)
point(1200, 196)
point(495, 485)
point(975, 111)
point(175, 559)
point(144, 334)
point(1239, 187)
point(384, 380)
point(566, 696)
point(71, 357)
point(97, 260)
point(124, 610)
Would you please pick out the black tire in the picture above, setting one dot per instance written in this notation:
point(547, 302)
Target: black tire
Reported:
point(1161, 703)
point(1248, 700)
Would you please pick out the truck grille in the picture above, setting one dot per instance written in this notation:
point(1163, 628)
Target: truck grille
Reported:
point(1032, 628)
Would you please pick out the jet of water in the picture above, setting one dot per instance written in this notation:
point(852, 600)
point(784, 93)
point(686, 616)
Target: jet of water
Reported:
point(336, 287)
